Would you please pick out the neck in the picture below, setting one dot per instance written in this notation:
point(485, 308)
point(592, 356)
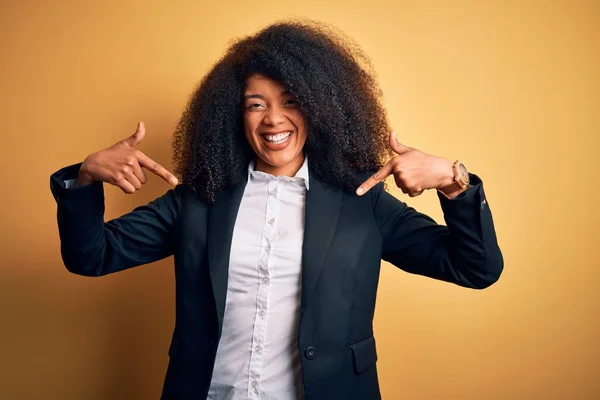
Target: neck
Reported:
point(290, 169)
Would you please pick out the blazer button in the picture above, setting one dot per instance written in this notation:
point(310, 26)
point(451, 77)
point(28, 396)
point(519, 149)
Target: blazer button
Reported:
point(310, 353)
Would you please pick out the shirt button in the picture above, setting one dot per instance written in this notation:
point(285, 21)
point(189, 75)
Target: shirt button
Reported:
point(271, 221)
point(257, 349)
point(253, 383)
point(261, 313)
point(310, 353)
point(265, 280)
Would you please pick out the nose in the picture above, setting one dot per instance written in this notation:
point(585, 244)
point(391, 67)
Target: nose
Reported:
point(273, 116)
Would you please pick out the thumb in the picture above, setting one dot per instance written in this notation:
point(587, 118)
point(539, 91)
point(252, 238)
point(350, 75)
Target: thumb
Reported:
point(138, 136)
point(397, 146)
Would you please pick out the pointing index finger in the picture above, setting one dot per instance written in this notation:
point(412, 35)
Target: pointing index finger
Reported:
point(377, 177)
point(156, 168)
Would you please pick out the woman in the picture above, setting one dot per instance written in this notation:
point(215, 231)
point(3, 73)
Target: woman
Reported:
point(280, 222)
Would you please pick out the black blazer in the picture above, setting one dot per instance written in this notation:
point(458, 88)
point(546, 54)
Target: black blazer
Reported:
point(346, 237)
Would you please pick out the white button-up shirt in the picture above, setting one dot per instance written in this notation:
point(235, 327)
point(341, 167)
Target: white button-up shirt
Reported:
point(258, 356)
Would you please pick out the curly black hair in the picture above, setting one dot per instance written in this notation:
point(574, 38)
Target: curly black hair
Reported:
point(334, 84)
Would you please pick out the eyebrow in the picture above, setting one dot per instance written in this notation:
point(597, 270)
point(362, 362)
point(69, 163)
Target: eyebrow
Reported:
point(254, 96)
point(260, 96)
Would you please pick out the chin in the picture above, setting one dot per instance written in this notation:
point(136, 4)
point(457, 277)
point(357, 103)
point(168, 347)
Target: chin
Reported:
point(277, 161)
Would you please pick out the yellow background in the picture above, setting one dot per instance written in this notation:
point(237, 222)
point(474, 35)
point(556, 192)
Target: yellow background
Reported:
point(509, 87)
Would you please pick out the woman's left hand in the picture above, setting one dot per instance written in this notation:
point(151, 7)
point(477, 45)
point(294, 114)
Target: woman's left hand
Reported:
point(413, 170)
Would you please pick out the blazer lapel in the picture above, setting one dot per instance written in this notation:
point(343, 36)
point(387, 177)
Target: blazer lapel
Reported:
point(221, 221)
point(322, 211)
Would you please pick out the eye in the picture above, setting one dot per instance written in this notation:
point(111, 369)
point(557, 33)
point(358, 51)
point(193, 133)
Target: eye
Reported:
point(254, 106)
point(291, 102)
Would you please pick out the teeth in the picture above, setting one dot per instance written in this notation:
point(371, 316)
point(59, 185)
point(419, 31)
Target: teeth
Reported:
point(278, 138)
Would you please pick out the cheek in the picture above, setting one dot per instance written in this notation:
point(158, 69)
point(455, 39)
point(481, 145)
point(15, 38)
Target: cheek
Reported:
point(303, 131)
point(300, 124)
point(250, 126)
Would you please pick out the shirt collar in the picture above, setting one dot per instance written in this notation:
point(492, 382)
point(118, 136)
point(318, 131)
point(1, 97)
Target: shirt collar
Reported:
point(300, 177)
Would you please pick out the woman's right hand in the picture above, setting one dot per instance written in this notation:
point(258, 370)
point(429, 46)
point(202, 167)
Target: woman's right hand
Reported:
point(121, 165)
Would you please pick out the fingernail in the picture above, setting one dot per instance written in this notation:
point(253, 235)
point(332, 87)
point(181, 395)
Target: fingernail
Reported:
point(360, 191)
point(174, 181)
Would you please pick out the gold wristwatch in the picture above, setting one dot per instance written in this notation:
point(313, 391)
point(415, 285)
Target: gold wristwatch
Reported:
point(461, 180)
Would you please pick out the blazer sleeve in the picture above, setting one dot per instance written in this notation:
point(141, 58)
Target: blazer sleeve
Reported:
point(464, 252)
point(91, 247)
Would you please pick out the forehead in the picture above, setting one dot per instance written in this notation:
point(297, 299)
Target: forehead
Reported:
point(259, 84)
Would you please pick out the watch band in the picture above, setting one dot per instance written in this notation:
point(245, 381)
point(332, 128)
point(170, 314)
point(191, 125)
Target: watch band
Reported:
point(451, 189)
point(459, 184)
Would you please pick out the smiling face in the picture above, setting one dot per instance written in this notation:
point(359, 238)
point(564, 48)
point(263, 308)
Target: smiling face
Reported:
point(274, 126)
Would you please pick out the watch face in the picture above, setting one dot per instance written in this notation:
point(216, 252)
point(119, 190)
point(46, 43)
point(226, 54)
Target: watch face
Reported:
point(464, 174)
